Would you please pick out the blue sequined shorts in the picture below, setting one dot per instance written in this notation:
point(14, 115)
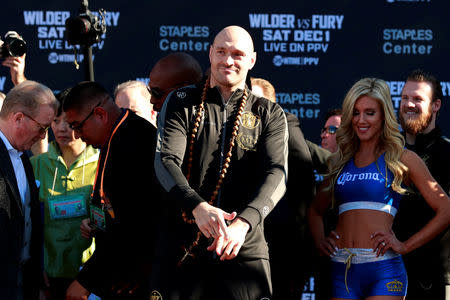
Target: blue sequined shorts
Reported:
point(358, 273)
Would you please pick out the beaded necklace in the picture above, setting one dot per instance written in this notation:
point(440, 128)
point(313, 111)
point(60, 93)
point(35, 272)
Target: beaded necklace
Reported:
point(201, 108)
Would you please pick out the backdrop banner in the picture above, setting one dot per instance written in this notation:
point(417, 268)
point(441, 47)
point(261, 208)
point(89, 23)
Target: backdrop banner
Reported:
point(311, 51)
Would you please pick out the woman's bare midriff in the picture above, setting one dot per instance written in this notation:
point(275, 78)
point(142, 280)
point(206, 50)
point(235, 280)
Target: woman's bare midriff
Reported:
point(355, 227)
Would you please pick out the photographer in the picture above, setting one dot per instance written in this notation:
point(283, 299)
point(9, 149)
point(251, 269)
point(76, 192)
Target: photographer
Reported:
point(16, 65)
point(13, 52)
point(17, 68)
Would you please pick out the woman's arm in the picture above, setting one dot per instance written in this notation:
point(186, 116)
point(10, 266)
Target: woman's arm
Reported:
point(316, 210)
point(434, 195)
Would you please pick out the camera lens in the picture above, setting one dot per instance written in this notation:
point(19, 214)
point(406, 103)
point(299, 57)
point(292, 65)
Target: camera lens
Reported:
point(13, 45)
point(17, 47)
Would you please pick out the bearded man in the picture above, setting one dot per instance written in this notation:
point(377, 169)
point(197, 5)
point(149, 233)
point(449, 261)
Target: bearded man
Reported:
point(427, 267)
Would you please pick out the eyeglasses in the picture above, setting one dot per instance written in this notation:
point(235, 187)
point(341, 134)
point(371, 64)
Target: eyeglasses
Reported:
point(330, 129)
point(158, 93)
point(81, 124)
point(43, 129)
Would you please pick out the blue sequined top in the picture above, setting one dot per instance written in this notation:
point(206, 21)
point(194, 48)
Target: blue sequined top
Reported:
point(366, 188)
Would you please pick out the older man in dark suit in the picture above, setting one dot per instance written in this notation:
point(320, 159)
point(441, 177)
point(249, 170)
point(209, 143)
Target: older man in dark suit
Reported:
point(27, 112)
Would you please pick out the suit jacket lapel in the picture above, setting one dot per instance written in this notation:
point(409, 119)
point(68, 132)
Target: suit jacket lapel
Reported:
point(7, 170)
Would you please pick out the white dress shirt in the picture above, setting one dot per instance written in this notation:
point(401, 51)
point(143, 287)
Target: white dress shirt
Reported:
point(24, 191)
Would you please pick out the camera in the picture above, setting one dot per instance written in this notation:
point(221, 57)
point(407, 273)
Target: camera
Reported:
point(13, 45)
point(86, 28)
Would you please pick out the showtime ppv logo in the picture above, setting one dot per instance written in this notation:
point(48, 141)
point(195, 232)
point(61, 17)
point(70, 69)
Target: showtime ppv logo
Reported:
point(279, 61)
point(54, 58)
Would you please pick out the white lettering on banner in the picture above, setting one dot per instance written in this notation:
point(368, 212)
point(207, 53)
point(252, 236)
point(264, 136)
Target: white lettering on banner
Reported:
point(98, 45)
point(276, 35)
point(51, 32)
point(50, 44)
point(272, 20)
point(181, 31)
point(2, 83)
point(300, 104)
point(308, 36)
point(170, 35)
point(327, 21)
point(298, 98)
point(111, 18)
point(38, 17)
point(445, 88)
point(145, 80)
point(395, 87)
point(303, 23)
point(189, 45)
point(316, 47)
point(115, 18)
point(389, 48)
point(408, 34)
point(396, 102)
point(296, 47)
point(50, 27)
point(303, 113)
point(284, 33)
point(403, 41)
point(275, 47)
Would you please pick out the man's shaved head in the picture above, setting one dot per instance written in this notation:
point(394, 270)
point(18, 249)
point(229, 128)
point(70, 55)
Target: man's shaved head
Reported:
point(236, 33)
point(171, 72)
point(231, 55)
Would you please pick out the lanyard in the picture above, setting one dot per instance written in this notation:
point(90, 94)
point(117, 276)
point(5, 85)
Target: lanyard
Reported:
point(106, 203)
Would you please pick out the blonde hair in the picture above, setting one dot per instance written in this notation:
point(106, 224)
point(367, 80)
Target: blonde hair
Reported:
point(266, 86)
point(390, 140)
point(132, 84)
